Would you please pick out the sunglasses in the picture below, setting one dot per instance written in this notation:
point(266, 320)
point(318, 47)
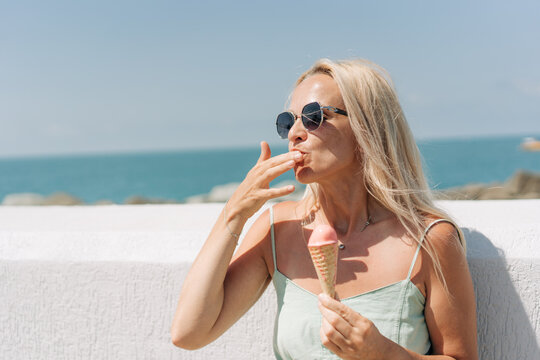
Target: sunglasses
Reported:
point(312, 118)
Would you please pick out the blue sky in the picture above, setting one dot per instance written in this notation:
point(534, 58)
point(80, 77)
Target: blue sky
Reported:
point(117, 76)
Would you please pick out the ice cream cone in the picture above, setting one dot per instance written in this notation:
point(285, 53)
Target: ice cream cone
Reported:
point(325, 260)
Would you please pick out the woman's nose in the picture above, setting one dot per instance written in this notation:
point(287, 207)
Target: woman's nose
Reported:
point(297, 131)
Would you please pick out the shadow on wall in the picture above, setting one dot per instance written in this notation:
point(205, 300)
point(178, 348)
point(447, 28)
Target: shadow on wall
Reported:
point(504, 327)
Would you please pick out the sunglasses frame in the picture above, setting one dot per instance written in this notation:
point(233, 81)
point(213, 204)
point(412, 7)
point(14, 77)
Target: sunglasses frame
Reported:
point(306, 119)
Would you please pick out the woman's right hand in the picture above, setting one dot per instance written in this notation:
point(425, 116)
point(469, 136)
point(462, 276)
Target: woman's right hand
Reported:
point(254, 191)
point(216, 291)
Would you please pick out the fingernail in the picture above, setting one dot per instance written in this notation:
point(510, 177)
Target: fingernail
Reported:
point(298, 155)
point(290, 163)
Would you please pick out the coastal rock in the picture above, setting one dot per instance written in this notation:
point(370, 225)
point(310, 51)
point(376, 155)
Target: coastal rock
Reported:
point(495, 192)
point(23, 199)
point(219, 193)
point(195, 199)
point(104, 202)
point(522, 185)
point(467, 192)
point(62, 198)
point(141, 200)
point(531, 195)
point(32, 199)
point(222, 193)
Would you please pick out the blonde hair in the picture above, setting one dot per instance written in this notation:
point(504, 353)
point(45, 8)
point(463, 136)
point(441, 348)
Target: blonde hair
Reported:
point(391, 161)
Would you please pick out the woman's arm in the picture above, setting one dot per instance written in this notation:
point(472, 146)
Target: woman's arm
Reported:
point(450, 317)
point(214, 295)
point(217, 291)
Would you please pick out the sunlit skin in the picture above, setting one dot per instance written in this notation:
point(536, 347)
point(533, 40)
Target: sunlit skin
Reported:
point(218, 289)
point(330, 150)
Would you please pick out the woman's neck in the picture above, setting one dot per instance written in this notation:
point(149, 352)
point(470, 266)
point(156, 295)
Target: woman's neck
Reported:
point(345, 206)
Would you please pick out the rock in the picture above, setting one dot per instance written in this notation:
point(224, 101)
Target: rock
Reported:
point(222, 193)
point(522, 185)
point(104, 202)
point(467, 192)
point(136, 200)
point(196, 199)
point(530, 195)
point(495, 193)
point(31, 199)
point(62, 198)
point(219, 193)
point(141, 200)
point(523, 182)
point(23, 199)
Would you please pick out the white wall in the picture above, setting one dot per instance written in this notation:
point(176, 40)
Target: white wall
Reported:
point(101, 282)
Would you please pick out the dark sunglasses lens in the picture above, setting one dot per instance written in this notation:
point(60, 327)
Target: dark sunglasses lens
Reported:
point(311, 116)
point(284, 123)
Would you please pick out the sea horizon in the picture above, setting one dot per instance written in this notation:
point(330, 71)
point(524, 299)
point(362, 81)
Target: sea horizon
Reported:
point(183, 173)
point(273, 144)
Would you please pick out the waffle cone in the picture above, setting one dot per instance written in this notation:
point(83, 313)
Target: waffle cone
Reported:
point(325, 260)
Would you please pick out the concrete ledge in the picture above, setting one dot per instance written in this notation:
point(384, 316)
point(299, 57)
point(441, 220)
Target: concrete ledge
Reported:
point(102, 282)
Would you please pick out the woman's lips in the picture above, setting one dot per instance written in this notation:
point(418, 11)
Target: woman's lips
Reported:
point(301, 162)
point(294, 149)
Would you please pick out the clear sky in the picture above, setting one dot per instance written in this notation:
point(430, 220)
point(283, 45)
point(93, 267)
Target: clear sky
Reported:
point(108, 76)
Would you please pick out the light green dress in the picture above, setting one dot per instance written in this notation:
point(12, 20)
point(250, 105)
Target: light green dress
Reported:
point(397, 310)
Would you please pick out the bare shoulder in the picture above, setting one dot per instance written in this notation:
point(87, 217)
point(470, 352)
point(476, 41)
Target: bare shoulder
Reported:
point(285, 210)
point(450, 302)
point(444, 254)
point(449, 261)
point(257, 241)
point(260, 230)
point(257, 237)
point(443, 236)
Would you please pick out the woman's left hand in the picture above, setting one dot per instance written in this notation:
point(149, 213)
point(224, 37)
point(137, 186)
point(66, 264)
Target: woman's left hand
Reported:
point(350, 335)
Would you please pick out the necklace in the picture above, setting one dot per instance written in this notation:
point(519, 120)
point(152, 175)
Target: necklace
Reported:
point(311, 217)
point(341, 245)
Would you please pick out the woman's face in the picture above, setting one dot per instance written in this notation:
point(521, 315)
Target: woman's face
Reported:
point(329, 150)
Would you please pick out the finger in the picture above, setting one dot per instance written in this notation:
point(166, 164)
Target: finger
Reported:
point(339, 308)
point(327, 339)
point(275, 171)
point(280, 159)
point(336, 321)
point(277, 192)
point(265, 152)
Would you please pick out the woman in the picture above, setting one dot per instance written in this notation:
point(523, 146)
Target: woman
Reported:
point(402, 278)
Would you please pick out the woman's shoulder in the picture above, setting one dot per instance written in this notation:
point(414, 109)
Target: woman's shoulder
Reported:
point(432, 222)
point(285, 210)
point(275, 213)
point(443, 234)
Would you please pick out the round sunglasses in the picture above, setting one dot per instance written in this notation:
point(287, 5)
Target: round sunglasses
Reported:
point(312, 118)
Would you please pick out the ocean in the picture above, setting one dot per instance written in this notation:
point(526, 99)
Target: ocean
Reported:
point(180, 174)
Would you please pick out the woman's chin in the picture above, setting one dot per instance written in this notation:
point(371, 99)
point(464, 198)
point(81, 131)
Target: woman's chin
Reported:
point(304, 175)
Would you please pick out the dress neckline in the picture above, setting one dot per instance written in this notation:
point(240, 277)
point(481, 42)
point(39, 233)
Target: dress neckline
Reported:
point(350, 298)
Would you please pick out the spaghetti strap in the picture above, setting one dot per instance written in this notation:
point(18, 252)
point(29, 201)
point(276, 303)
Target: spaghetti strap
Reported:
point(422, 240)
point(272, 236)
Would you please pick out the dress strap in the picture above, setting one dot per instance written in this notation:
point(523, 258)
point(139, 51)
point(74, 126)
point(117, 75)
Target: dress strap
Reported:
point(272, 236)
point(422, 240)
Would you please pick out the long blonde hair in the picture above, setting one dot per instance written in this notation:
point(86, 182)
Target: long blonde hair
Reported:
point(391, 161)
